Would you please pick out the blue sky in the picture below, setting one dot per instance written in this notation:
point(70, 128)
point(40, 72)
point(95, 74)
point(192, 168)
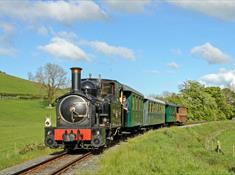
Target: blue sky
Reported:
point(153, 46)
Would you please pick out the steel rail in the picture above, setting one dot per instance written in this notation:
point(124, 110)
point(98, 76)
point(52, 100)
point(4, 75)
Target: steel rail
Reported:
point(31, 168)
point(69, 164)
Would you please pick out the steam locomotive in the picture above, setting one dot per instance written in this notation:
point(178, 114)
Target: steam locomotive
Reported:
point(91, 115)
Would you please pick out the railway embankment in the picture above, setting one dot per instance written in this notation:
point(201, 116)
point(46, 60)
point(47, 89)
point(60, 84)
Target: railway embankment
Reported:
point(190, 150)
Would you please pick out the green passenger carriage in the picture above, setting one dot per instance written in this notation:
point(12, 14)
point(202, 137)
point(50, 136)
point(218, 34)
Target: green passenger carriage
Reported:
point(135, 100)
point(154, 112)
point(170, 112)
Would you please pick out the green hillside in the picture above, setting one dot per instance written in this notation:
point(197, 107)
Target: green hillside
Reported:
point(14, 85)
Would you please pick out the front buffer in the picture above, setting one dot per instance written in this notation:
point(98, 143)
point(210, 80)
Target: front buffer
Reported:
point(71, 138)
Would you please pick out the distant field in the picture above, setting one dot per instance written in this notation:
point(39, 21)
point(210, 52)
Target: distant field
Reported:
point(175, 151)
point(21, 124)
point(15, 85)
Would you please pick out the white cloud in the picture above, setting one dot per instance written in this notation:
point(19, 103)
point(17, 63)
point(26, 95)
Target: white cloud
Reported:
point(7, 39)
point(7, 36)
point(61, 11)
point(71, 36)
point(7, 52)
point(42, 30)
point(224, 9)
point(154, 71)
point(107, 49)
point(176, 51)
point(131, 6)
point(224, 78)
point(6, 27)
point(173, 65)
point(63, 48)
point(211, 54)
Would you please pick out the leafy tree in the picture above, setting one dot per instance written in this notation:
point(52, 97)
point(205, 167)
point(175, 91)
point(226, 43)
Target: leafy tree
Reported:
point(51, 77)
point(224, 108)
point(201, 105)
point(230, 99)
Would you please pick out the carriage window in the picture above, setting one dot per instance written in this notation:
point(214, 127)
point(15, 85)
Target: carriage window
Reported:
point(133, 102)
point(141, 103)
point(137, 105)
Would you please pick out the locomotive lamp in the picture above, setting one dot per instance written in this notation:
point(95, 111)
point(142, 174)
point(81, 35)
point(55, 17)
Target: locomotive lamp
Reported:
point(48, 122)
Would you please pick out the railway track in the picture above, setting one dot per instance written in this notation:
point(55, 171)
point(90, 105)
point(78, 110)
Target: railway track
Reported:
point(55, 165)
point(62, 162)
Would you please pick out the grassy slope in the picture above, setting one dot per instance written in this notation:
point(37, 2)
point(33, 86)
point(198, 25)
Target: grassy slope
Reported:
point(11, 84)
point(21, 123)
point(174, 151)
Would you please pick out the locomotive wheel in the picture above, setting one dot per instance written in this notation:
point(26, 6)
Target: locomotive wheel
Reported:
point(69, 148)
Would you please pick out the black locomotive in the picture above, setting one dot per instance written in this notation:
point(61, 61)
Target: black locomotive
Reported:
point(83, 115)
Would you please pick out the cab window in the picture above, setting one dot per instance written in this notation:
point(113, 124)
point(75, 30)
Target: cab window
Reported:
point(107, 89)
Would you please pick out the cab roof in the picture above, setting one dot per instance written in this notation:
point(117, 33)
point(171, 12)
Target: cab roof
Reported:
point(96, 79)
point(155, 100)
point(129, 89)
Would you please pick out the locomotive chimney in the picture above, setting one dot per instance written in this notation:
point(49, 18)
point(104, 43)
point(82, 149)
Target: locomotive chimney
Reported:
point(76, 79)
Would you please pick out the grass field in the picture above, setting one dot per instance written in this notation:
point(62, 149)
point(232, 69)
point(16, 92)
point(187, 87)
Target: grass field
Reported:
point(15, 85)
point(174, 151)
point(22, 130)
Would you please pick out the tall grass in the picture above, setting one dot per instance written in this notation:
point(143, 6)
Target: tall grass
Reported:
point(174, 151)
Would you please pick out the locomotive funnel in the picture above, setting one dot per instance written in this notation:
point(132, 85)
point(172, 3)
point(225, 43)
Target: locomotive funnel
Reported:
point(76, 79)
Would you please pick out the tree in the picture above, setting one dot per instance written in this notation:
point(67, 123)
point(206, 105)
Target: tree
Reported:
point(51, 77)
point(230, 99)
point(201, 105)
point(224, 108)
